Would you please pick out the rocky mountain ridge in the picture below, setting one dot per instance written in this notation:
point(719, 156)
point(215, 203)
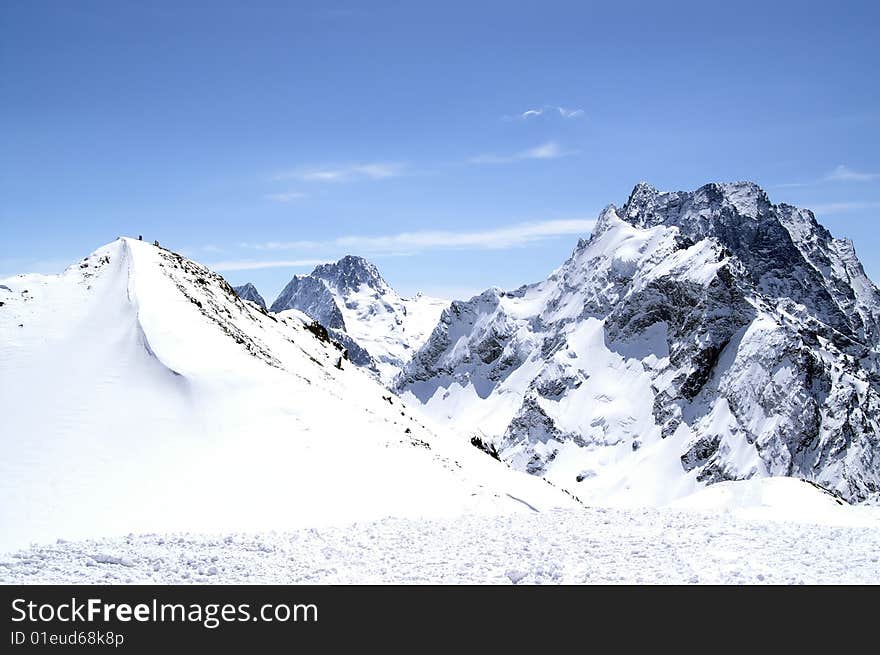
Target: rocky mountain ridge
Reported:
point(694, 337)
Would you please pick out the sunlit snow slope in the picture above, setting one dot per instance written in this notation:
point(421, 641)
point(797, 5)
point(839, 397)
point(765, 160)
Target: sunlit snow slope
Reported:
point(139, 393)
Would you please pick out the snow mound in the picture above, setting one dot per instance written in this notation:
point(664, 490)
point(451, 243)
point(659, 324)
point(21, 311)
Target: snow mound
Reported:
point(778, 499)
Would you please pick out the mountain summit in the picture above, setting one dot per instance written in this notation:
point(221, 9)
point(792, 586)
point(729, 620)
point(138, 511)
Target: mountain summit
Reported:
point(380, 329)
point(785, 251)
point(695, 337)
point(350, 274)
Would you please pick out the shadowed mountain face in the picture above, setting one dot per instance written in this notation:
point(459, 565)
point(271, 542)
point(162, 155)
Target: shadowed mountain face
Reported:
point(249, 292)
point(351, 273)
point(784, 249)
point(695, 337)
point(312, 297)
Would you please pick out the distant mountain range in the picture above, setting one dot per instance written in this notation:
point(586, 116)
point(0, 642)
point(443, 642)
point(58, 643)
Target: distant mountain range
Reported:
point(695, 337)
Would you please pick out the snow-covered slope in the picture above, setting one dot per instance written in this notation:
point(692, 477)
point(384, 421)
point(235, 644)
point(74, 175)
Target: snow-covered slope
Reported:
point(696, 337)
point(138, 393)
point(350, 298)
point(248, 291)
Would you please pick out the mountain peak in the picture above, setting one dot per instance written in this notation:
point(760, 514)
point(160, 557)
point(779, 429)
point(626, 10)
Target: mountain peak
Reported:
point(646, 206)
point(248, 291)
point(351, 273)
point(642, 190)
point(783, 248)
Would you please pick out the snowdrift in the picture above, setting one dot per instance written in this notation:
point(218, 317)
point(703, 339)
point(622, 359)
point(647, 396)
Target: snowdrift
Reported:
point(778, 499)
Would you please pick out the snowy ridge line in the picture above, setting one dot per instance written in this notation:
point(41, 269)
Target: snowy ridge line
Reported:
point(194, 286)
point(127, 261)
point(131, 447)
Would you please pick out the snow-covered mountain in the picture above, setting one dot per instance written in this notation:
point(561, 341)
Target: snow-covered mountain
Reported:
point(695, 337)
point(380, 329)
point(138, 393)
point(248, 291)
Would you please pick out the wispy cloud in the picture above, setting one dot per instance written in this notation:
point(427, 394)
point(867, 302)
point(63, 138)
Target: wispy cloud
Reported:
point(510, 236)
point(844, 173)
point(549, 150)
point(841, 173)
point(837, 207)
point(570, 113)
point(547, 110)
point(348, 172)
point(253, 265)
point(287, 196)
point(194, 252)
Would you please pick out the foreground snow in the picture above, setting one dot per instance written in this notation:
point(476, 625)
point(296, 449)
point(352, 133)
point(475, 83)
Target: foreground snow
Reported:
point(590, 545)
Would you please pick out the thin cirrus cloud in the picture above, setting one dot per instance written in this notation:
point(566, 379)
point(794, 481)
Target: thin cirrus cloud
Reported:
point(500, 238)
point(549, 150)
point(837, 207)
point(253, 265)
point(843, 173)
point(345, 173)
point(547, 110)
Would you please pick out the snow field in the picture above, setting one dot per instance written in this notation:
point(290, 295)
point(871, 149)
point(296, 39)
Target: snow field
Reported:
point(578, 546)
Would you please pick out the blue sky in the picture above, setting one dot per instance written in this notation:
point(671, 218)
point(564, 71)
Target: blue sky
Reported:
point(458, 145)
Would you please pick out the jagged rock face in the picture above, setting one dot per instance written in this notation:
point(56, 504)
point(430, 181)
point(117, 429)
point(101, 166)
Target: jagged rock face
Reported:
point(312, 297)
point(350, 274)
point(249, 292)
point(784, 249)
point(350, 298)
point(356, 353)
point(695, 337)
